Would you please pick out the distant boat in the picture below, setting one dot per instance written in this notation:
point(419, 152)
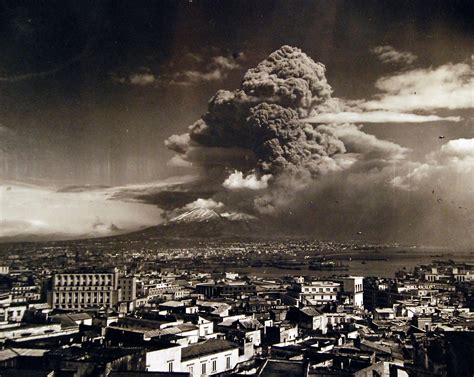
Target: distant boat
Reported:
point(327, 266)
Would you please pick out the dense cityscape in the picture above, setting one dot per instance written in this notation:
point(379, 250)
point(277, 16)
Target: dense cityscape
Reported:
point(75, 309)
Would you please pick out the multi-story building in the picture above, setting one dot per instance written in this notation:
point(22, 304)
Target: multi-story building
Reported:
point(226, 289)
point(88, 289)
point(212, 357)
point(447, 272)
point(128, 288)
point(313, 293)
point(25, 293)
point(353, 288)
point(128, 293)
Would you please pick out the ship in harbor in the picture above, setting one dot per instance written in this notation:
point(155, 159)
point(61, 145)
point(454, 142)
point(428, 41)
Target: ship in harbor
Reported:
point(327, 266)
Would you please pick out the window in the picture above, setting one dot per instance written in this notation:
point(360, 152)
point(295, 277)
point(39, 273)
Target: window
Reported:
point(214, 365)
point(191, 370)
point(170, 366)
point(203, 368)
point(227, 362)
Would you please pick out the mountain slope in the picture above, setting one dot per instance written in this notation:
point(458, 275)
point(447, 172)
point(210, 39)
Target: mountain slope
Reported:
point(205, 223)
point(196, 215)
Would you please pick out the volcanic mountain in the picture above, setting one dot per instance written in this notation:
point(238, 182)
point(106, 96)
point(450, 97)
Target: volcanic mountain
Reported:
point(197, 215)
point(205, 223)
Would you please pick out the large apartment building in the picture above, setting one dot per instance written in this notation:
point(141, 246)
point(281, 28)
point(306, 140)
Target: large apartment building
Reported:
point(313, 293)
point(353, 288)
point(88, 289)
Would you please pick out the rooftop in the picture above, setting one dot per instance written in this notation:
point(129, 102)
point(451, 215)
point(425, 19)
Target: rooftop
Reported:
point(11, 353)
point(206, 348)
point(283, 368)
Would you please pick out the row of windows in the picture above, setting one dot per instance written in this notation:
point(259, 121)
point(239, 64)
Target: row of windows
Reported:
point(83, 276)
point(81, 294)
point(88, 301)
point(78, 306)
point(82, 280)
point(321, 297)
point(319, 289)
point(90, 283)
point(204, 366)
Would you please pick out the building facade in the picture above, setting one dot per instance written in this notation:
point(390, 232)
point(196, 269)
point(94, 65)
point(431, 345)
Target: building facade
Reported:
point(128, 288)
point(353, 288)
point(80, 290)
point(314, 293)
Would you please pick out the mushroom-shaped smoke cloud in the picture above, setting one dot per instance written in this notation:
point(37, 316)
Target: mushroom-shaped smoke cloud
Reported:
point(259, 155)
point(263, 119)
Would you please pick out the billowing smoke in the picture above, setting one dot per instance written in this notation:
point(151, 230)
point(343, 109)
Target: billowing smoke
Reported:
point(258, 154)
point(256, 138)
point(261, 122)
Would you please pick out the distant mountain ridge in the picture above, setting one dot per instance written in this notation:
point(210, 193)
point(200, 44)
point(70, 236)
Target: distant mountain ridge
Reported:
point(204, 223)
point(205, 215)
point(194, 224)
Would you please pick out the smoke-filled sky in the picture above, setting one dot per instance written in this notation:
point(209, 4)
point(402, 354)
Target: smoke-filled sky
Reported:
point(357, 115)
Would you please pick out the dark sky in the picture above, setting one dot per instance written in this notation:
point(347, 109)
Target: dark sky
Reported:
point(71, 112)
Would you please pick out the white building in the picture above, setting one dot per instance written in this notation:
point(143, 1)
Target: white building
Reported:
point(207, 358)
point(353, 287)
point(314, 293)
point(79, 290)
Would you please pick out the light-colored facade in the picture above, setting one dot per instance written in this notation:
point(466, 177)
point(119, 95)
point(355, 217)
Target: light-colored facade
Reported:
point(315, 293)
point(80, 290)
point(446, 273)
point(210, 364)
point(202, 359)
point(164, 360)
point(353, 287)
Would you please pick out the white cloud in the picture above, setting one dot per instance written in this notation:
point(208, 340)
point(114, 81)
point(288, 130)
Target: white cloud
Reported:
point(237, 181)
point(450, 86)
point(177, 161)
point(452, 167)
point(218, 69)
point(42, 211)
point(388, 54)
point(367, 146)
point(142, 79)
point(204, 204)
point(137, 78)
point(406, 97)
point(224, 62)
point(458, 148)
point(376, 117)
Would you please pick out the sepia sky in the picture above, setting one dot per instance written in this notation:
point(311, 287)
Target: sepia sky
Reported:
point(90, 91)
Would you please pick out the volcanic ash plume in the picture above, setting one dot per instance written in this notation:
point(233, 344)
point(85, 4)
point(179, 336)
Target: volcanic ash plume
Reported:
point(259, 155)
point(257, 129)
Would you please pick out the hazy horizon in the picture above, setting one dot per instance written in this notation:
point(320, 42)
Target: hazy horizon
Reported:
point(329, 119)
